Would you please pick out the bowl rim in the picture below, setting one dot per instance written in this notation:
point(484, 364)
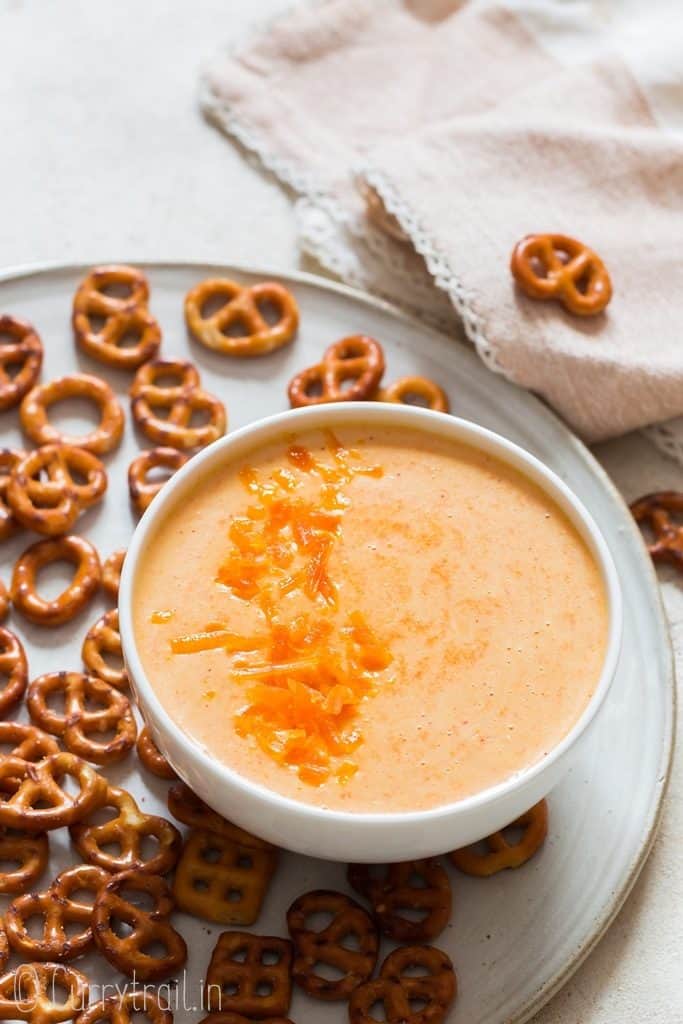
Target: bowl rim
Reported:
point(265, 431)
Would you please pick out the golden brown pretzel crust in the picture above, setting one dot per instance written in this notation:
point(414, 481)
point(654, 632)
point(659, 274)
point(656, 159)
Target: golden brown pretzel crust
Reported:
point(38, 985)
point(180, 400)
point(38, 802)
point(102, 638)
point(142, 491)
point(658, 511)
point(27, 742)
point(416, 391)
point(51, 486)
point(187, 807)
point(104, 438)
point(555, 266)
point(111, 573)
point(420, 885)
point(13, 669)
point(501, 854)
point(240, 978)
point(9, 458)
point(242, 309)
point(152, 758)
point(125, 1007)
point(25, 350)
point(29, 855)
point(435, 988)
point(122, 317)
point(71, 601)
point(356, 361)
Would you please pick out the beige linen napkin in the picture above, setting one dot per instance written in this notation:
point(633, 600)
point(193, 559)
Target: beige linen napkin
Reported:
point(477, 123)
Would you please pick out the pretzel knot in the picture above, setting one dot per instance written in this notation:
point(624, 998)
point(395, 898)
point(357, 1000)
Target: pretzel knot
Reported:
point(142, 491)
point(148, 928)
point(127, 832)
point(187, 807)
point(13, 668)
point(102, 638)
point(435, 988)
point(9, 458)
point(31, 992)
point(558, 267)
point(103, 320)
point(78, 725)
point(182, 401)
point(63, 608)
point(58, 909)
point(500, 853)
point(239, 327)
point(20, 347)
point(250, 975)
point(37, 802)
point(418, 391)
point(126, 1007)
point(661, 512)
point(151, 757)
point(350, 371)
point(327, 946)
point(27, 742)
point(419, 885)
point(104, 438)
point(28, 856)
point(111, 573)
point(50, 487)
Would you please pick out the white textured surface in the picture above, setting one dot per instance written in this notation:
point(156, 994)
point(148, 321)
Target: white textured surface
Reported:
point(105, 156)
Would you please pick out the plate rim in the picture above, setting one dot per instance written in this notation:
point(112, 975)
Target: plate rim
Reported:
point(612, 907)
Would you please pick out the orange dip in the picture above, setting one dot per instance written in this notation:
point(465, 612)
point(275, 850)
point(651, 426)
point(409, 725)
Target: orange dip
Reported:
point(371, 621)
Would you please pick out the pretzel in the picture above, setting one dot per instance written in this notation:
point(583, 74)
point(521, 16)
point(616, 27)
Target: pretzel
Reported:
point(30, 992)
point(4, 947)
point(142, 491)
point(38, 802)
point(181, 401)
point(127, 832)
point(148, 928)
point(655, 510)
point(152, 758)
point(125, 1008)
point(122, 317)
point(328, 946)
point(57, 909)
point(104, 438)
point(27, 742)
point(394, 891)
point(9, 524)
point(221, 881)
point(29, 853)
point(187, 807)
point(4, 601)
point(241, 310)
point(20, 346)
point(249, 975)
point(51, 486)
point(416, 391)
point(111, 573)
point(13, 668)
point(558, 267)
point(358, 359)
point(78, 725)
point(399, 991)
point(55, 611)
point(500, 853)
point(102, 638)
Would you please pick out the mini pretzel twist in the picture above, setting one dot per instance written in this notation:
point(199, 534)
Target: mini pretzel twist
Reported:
point(4, 601)
point(327, 946)
point(121, 316)
point(38, 802)
point(27, 742)
point(13, 668)
point(142, 490)
point(29, 993)
point(125, 1008)
point(558, 267)
point(436, 985)
point(55, 611)
point(357, 359)
point(658, 511)
point(111, 573)
point(57, 908)
point(241, 309)
point(418, 391)
point(180, 401)
point(102, 638)
point(29, 856)
point(9, 524)
point(127, 832)
point(104, 438)
point(416, 885)
point(151, 757)
point(187, 807)
point(147, 927)
point(24, 349)
point(240, 978)
point(501, 853)
point(50, 487)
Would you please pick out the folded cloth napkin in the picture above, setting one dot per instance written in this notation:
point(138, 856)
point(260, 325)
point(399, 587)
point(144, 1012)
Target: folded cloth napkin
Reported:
point(426, 137)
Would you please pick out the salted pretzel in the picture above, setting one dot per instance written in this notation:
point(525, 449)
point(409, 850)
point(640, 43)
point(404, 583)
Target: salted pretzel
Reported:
point(187, 807)
point(661, 512)
point(330, 945)
point(180, 401)
point(149, 928)
point(239, 327)
point(9, 458)
point(104, 438)
point(435, 984)
point(28, 855)
point(13, 670)
point(558, 267)
point(142, 490)
point(151, 757)
point(126, 1008)
point(38, 801)
point(416, 885)
point(27, 742)
point(416, 391)
point(102, 638)
point(221, 881)
point(111, 573)
point(250, 975)
point(499, 852)
point(51, 486)
point(58, 908)
point(55, 611)
point(31, 993)
point(350, 371)
point(20, 347)
point(122, 317)
point(127, 832)
point(79, 724)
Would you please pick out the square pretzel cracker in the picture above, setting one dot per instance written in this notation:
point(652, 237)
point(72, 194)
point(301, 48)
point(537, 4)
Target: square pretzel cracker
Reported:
point(221, 880)
point(250, 975)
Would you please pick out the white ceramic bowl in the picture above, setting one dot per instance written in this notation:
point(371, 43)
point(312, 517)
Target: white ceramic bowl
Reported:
point(343, 835)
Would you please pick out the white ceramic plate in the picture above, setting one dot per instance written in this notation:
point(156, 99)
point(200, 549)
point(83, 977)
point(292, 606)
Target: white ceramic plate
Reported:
point(516, 938)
